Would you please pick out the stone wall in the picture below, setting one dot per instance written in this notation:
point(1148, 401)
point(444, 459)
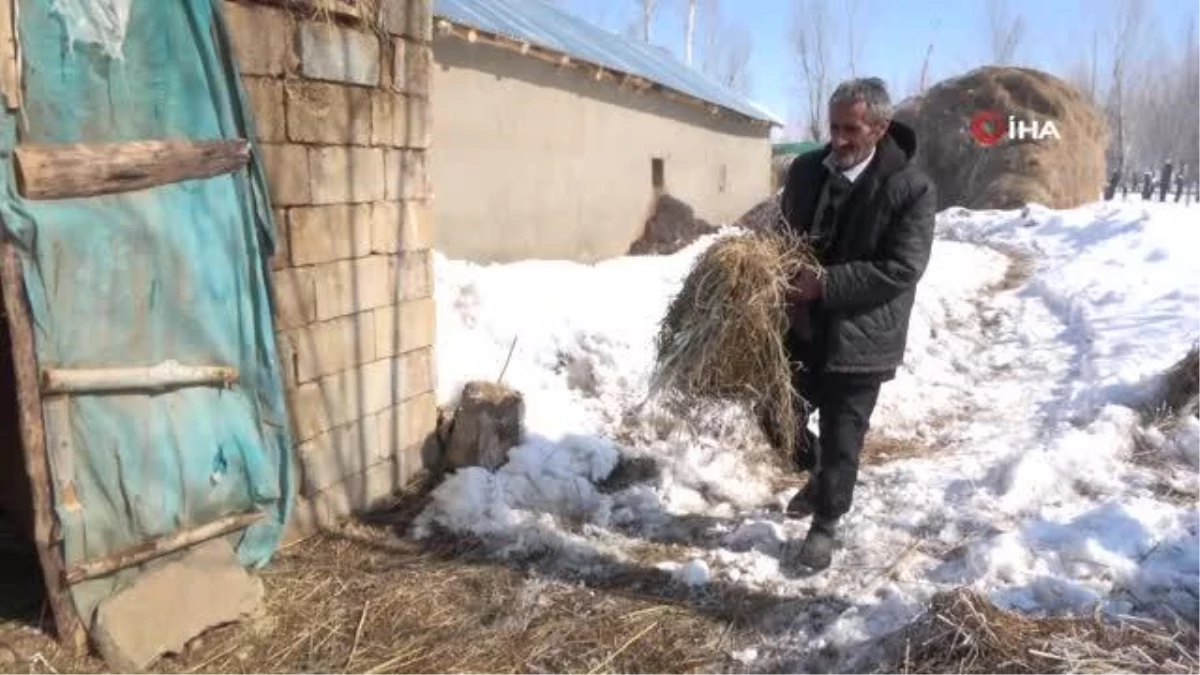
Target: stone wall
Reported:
point(342, 114)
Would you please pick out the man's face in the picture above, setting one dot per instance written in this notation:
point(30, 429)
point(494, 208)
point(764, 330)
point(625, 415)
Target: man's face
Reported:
point(852, 134)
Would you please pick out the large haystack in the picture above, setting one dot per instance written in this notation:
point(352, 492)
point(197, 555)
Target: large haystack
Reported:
point(1062, 173)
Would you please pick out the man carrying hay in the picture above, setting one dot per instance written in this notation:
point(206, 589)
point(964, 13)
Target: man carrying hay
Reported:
point(868, 213)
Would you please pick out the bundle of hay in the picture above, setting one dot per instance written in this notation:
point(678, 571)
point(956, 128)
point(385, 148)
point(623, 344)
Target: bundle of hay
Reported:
point(722, 339)
point(1060, 174)
point(963, 632)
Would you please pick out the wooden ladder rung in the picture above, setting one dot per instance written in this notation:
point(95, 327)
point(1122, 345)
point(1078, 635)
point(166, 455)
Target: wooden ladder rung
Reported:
point(166, 375)
point(158, 547)
point(62, 171)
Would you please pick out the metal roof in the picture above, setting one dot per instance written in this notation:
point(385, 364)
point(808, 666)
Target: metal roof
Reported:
point(543, 24)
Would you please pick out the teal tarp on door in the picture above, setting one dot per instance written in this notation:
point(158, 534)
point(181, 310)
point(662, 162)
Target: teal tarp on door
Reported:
point(175, 272)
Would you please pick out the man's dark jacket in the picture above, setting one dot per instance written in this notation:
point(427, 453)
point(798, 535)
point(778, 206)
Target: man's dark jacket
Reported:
point(877, 252)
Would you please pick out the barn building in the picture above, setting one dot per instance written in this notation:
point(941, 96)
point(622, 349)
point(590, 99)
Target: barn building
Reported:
point(554, 136)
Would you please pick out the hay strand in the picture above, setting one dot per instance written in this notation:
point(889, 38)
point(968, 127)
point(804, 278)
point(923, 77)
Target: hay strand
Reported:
point(963, 632)
point(722, 338)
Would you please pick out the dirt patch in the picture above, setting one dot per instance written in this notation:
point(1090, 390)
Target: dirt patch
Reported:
point(672, 226)
point(1019, 271)
point(631, 470)
point(1059, 173)
point(881, 449)
point(963, 632)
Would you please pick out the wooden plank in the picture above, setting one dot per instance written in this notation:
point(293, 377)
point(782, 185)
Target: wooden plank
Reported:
point(165, 375)
point(10, 70)
point(156, 548)
point(86, 170)
point(70, 628)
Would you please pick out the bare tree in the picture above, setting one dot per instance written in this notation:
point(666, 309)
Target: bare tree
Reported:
point(1005, 32)
point(726, 47)
point(649, 9)
point(923, 83)
point(690, 31)
point(854, 27)
point(1128, 26)
point(812, 38)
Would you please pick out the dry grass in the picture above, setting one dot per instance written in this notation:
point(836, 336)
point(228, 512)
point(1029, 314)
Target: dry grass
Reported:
point(963, 632)
point(1179, 397)
point(1176, 401)
point(722, 339)
point(881, 449)
point(367, 604)
point(360, 600)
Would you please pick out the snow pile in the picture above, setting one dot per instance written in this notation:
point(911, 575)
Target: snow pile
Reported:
point(1118, 278)
point(1025, 392)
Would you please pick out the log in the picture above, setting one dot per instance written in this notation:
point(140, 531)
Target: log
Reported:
point(70, 628)
point(86, 170)
point(160, 546)
point(166, 375)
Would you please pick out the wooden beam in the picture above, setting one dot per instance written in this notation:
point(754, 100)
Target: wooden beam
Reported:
point(10, 65)
point(86, 170)
point(157, 548)
point(71, 630)
point(166, 375)
point(638, 84)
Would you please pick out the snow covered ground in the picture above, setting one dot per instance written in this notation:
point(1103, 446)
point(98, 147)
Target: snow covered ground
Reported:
point(1024, 387)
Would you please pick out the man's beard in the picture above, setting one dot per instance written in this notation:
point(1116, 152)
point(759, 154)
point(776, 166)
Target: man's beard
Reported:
point(849, 160)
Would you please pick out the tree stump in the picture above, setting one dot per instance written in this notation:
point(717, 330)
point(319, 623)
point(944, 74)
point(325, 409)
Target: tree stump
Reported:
point(486, 424)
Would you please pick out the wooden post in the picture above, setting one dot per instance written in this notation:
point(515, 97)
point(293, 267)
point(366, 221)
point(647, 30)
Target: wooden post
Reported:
point(86, 170)
point(156, 548)
point(10, 72)
point(71, 630)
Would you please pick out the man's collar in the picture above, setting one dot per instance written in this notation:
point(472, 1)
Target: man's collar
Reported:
point(853, 172)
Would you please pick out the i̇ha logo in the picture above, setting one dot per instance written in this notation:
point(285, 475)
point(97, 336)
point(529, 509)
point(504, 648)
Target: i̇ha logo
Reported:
point(990, 127)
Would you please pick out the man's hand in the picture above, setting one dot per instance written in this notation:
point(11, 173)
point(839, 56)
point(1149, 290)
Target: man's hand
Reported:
point(806, 286)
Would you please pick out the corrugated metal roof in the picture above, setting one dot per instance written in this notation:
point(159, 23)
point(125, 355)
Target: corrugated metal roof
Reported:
point(545, 25)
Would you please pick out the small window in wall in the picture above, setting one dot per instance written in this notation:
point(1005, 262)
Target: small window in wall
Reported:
point(657, 171)
point(723, 179)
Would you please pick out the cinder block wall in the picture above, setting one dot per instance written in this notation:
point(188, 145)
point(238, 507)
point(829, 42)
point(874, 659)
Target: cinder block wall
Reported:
point(343, 120)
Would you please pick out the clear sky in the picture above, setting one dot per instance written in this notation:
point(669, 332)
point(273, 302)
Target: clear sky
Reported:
point(894, 35)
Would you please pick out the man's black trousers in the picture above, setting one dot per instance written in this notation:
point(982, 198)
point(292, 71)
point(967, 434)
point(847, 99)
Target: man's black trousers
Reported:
point(845, 402)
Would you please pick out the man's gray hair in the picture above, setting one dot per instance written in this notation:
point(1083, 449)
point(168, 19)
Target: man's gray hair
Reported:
point(870, 90)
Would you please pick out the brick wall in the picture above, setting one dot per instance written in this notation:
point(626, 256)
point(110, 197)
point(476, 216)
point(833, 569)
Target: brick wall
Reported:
point(342, 115)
